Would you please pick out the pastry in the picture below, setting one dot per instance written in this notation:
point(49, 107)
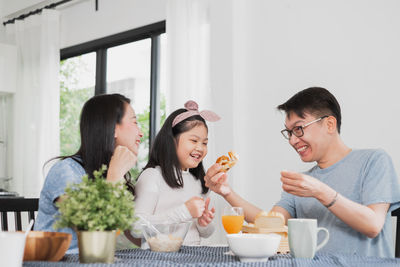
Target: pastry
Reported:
point(227, 162)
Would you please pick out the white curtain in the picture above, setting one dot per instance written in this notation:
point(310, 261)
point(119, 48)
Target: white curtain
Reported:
point(36, 101)
point(188, 56)
point(188, 75)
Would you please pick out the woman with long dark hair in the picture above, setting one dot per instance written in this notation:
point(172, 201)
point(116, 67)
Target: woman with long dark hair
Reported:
point(109, 135)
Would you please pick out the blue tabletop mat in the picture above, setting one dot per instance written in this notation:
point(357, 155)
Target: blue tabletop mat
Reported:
point(215, 256)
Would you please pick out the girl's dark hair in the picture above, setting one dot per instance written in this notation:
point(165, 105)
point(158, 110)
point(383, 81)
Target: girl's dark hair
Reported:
point(99, 116)
point(163, 151)
point(314, 100)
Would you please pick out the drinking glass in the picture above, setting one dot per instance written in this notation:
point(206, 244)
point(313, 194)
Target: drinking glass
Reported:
point(232, 219)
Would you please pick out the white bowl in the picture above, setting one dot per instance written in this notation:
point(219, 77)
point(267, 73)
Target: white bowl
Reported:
point(254, 247)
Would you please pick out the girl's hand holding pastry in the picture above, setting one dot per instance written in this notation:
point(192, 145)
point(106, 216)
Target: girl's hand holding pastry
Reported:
point(207, 216)
point(196, 206)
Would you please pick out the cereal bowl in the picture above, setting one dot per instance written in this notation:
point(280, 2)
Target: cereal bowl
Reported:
point(165, 237)
point(254, 247)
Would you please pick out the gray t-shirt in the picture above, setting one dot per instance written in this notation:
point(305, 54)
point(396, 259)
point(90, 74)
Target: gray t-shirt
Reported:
point(363, 176)
point(60, 175)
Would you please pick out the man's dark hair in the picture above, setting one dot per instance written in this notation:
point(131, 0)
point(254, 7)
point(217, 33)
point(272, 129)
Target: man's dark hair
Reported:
point(316, 101)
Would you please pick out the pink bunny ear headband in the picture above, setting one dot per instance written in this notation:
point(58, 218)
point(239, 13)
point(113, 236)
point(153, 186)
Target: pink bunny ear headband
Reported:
point(192, 110)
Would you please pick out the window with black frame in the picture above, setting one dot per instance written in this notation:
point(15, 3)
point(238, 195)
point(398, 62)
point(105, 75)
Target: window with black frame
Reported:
point(131, 63)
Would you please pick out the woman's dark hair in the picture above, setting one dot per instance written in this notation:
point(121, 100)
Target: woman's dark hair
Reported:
point(314, 100)
point(163, 151)
point(99, 116)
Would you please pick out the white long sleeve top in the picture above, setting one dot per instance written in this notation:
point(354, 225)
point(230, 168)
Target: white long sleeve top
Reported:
point(156, 201)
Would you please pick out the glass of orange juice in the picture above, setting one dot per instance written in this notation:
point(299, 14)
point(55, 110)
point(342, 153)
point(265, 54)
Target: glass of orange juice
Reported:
point(232, 219)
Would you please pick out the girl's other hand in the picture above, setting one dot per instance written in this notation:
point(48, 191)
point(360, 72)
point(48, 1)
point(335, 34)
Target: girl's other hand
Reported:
point(217, 181)
point(121, 162)
point(207, 216)
point(196, 206)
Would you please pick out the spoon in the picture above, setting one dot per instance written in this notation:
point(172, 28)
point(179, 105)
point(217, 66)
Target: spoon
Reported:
point(148, 224)
point(29, 228)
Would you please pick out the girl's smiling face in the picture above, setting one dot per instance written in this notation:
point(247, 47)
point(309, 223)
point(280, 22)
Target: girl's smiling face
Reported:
point(192, 147)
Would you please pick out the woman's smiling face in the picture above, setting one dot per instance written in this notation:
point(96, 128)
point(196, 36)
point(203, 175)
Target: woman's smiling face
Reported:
point(127, 132)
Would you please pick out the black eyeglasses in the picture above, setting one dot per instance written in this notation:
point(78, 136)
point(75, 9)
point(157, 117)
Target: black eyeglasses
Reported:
point(299, 130)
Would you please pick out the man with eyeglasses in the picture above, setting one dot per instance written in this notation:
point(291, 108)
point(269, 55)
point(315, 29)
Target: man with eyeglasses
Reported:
point(349, 191)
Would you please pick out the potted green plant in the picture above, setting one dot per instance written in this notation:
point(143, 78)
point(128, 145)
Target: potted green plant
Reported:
point(96, 210)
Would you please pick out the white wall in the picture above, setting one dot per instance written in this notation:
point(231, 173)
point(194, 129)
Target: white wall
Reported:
point(81, 23)
point(268, 50)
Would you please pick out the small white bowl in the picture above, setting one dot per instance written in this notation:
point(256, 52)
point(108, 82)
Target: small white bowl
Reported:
point(254, 247)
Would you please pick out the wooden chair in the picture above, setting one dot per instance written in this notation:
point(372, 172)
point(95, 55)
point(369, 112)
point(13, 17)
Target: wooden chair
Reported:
point(17, 205)
point(396, 213)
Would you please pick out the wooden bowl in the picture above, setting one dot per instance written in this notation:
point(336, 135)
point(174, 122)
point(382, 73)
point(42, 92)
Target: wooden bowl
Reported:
point(46, 246)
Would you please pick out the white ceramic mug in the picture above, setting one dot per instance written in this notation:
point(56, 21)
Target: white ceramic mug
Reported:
point(303, 237)
point(12, 246)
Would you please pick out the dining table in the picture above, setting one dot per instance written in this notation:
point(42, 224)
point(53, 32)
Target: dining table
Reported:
point(218, 256)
